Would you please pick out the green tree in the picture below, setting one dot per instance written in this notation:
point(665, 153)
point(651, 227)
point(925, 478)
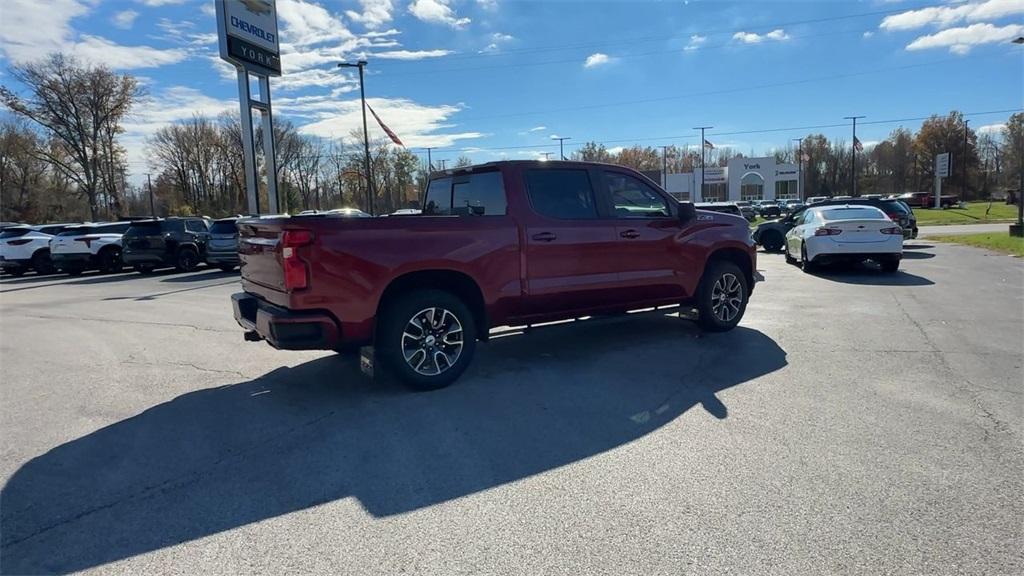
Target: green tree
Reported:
point(940, 134)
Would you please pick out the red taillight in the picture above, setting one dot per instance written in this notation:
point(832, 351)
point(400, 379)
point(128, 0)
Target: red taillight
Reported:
point(896, 230)
point(295, 272)
point(827, 231)
point(18, 242)
point(894, 217)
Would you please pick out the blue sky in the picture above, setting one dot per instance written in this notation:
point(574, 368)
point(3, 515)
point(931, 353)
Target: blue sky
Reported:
point(498, 78)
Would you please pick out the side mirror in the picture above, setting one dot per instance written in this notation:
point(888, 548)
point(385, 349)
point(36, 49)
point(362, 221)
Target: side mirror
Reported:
point(687, 212)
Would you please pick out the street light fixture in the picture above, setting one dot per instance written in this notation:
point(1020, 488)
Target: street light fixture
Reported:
point(361, 64)
point(800, 171)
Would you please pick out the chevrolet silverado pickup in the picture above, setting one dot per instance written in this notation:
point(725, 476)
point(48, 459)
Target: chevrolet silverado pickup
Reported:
point(500, 244)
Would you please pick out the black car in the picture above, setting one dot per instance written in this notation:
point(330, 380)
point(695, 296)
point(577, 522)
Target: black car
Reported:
point(222, 250)
point(723, 207)
point(770, 210)
point(771, 235)
point(166, 242)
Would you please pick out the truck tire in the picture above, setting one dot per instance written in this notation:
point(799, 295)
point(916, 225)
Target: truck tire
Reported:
point(722, 296)
point(187, 260)
point(771, 241)
point(426, 338)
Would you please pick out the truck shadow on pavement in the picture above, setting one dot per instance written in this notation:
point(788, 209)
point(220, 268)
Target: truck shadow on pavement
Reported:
point(296, 438)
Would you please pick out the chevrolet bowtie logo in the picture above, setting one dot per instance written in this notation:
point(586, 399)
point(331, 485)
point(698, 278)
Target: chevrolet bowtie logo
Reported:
point(258, 6)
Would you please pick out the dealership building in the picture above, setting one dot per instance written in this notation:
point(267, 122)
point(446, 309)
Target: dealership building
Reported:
point(742, 179)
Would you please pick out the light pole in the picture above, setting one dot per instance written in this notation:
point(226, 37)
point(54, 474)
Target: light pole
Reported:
point(561, 139)
point(1020, 167)
point(853, 156)
point(664, 167)
point(963, 164)
point(703, 147)
point(366, 135)
point(800, 170)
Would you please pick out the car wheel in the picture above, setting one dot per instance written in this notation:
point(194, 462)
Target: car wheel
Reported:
point(890, 264)
point(426, 338)
point(789, 257)
point(144, 268)
point(110, 260)
point(721, 297)
point(42, 263)
point(772, 241)
point(226, 267)
point(188, 260)
point(805, 262)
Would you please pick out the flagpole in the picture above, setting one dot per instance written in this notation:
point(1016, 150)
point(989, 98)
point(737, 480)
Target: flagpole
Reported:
point(853, 156)
point(703, 147)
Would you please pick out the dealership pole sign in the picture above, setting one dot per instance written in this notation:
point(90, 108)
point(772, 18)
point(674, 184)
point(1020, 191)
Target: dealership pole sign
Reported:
point(247, 35)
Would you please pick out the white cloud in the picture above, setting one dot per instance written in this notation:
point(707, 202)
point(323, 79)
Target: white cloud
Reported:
point(125, 19)
point(318, 77)
point(437, 12)
point(615, 150)
point(375, 13)
point(778, 35)
point(376, 34)
point(30, 29)
point(305, 23)
point(991, 129)
point(500, 37)
point(208, 10)
point(596, 59)
point(538, 129)
point(961, 40)
point(416, 124)
point(696, 41)
point(410, 54)
point(97, 50)
point(155, 3)
point(490, 5)
point(868, 34)
point(943, 16)
point(492, 47)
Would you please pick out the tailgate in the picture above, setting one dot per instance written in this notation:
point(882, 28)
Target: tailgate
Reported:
point(259, 255)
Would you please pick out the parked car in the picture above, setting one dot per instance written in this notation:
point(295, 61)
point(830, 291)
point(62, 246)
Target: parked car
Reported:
point(771, 235)
point(505, 243)
point(793, 205)
point(723, 207)
point(88, 246)
point(927, 199)
point(770, 209)
point(827, 234)
point(222, 249)
point(871, 196)
point(349, 212)
point(406, 212)
point(747, 209)
point(816, 199)
point(24, 248)
point(178, 242)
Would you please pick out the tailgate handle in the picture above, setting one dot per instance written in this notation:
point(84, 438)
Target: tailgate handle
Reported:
point(630, 234)
point(544, 236)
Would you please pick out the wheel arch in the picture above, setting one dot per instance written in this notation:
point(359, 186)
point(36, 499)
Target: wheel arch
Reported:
point(458, 283)
point(736, 256)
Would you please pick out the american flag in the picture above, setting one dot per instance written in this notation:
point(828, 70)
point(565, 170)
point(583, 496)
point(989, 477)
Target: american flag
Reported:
point(857, 145)
point(392, 135)
point(708, 144)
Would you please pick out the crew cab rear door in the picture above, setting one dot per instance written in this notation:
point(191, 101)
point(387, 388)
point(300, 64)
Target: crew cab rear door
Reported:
point(652, 263)
point(567, 241)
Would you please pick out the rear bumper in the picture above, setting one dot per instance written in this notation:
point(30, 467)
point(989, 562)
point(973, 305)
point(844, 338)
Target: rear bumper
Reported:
point(14, 264)
point(73, 260)
point(213, 257)
point(282, 328)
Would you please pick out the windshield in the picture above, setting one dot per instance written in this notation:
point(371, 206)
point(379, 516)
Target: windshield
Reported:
point(864, 213)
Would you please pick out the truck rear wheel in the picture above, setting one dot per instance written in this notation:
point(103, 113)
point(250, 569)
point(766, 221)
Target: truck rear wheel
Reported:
point(722, 297)
point(426, 338)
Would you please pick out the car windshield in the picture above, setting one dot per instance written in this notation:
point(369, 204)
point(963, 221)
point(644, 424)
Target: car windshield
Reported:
point(860, 213)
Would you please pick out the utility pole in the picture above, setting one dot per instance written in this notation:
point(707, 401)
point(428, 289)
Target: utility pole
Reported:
point(546, 155)
point(442, 164)
point(561, 151)
point(664, 167)
point(853, 156)
point(430, 165)
point(366, 135)
point(152, 204)
point(800, 170)
point(963, 164)
point(703, 147)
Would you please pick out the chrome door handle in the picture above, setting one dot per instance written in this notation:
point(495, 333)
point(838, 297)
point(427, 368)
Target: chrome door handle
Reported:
point(629, 234)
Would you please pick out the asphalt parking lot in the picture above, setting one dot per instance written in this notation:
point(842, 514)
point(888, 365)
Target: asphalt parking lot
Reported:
point(856, 423)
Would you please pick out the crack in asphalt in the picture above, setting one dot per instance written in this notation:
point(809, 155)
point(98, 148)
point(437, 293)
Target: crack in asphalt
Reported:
point(188, 364)
point(124, 321)
point(958, 381)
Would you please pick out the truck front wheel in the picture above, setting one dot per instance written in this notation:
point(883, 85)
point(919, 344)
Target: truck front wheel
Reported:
point(722, 297)
point(426, 338)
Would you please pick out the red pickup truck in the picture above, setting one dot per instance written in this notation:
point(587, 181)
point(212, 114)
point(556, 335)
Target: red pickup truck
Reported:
point(499, 244)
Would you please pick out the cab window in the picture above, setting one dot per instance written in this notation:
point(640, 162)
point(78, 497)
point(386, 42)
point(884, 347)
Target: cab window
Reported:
point(632, 198)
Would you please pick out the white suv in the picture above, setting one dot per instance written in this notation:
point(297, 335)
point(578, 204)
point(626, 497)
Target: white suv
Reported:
point(24, 248)
point(81, 248)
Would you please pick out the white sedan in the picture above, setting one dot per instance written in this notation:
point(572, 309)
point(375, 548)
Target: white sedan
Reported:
point(845, 233)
